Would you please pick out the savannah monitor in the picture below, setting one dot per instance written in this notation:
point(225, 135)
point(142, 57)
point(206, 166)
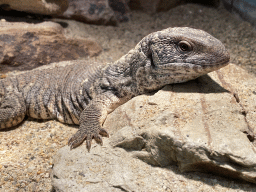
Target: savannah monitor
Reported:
point(85, 94)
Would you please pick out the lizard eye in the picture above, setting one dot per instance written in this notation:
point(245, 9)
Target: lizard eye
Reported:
point(184, 46)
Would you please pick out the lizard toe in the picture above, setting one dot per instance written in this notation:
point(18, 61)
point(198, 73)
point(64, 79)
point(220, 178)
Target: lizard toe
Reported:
point(98, 139)
point(77, 139)
point(103, 132)
point(80, 136)
point(89, 143)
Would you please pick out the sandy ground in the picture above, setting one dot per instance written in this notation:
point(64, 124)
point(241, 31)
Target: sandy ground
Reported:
point(26, 151)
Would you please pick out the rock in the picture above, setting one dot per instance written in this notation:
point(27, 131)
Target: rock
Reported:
point(25, 46)
point(244, 8)
point(202, 125)
point(121, 9)
point(44, 7)
point(98, 11)
point(153, 6)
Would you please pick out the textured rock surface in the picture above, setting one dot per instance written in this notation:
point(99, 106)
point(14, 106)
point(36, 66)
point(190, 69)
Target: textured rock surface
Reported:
point(25, 46)
point(121, 9)
point(246, 9)
point(152, 6)
point(44, 7)
point(98, 11)
point(199, 125)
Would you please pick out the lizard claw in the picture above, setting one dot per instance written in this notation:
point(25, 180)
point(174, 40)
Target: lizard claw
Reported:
point(98, 139)
point(76, 140)
point(103, 132)
point(79, 137)
point(88, 143)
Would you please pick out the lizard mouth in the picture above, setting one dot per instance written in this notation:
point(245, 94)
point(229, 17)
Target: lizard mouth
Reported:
point(220, 63)
point(189, 63)
point(223, 63)
point(185, 65)
point(189, 69)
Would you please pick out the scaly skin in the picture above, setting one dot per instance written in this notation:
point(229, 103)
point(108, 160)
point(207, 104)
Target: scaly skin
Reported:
point(85, 94)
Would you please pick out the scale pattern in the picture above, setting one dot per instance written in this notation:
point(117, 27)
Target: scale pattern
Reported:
point(84, 93)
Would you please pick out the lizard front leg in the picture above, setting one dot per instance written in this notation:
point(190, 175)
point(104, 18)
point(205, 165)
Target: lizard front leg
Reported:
point(92, 119)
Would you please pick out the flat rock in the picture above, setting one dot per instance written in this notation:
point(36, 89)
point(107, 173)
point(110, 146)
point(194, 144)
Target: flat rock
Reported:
point(25, 46)
point(102, 12)
point(204, 125)
point(52, 7)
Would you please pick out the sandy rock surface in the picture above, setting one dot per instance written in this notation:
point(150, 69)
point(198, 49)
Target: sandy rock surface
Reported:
point(43, 7)
point(27, 151)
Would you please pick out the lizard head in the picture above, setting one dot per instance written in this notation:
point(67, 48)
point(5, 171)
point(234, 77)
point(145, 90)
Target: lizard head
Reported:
point(176, 55)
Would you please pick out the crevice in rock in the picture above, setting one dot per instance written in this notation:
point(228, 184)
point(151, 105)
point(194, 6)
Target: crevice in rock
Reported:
point(20, 16)
point(63, 24)
point(55, 177)
point(128, 119)
point(120, 187)
point(205, 111)
point(250, 133)
point(250, 136)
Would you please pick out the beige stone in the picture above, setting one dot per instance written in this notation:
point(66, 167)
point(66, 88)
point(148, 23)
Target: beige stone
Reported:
point(44, 7)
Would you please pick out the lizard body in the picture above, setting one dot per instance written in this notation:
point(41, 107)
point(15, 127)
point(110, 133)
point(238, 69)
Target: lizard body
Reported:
point(84, 94)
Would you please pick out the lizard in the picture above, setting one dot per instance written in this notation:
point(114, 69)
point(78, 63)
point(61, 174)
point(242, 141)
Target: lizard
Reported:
point(85, 94)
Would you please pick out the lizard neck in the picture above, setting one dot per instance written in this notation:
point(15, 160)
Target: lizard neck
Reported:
point(121, 75)
point(135, 72)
